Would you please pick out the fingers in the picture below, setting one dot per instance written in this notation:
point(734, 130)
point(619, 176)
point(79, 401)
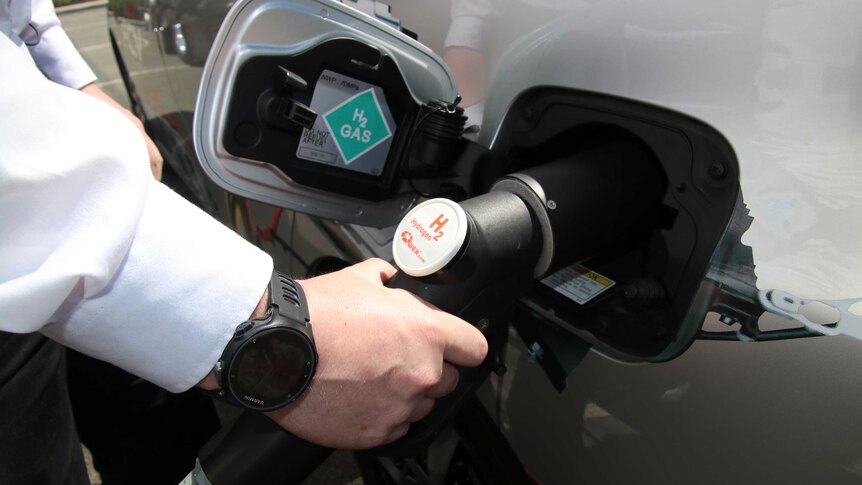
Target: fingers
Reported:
point(421, 409)
point(448, 382)
point(424, 405)
point(463, 343)
point(398, 432)
point(375, 269)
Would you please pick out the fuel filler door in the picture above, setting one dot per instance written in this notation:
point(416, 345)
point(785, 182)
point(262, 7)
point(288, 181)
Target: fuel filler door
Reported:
point(312, 106)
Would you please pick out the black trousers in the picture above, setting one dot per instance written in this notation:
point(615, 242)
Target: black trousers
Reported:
point(38, 441)
point(137, 432)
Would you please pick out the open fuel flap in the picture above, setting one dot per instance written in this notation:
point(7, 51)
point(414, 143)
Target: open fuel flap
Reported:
point(311, 105)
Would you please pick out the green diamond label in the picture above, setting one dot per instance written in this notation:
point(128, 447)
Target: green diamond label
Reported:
point(357, 125)
point(364, 151)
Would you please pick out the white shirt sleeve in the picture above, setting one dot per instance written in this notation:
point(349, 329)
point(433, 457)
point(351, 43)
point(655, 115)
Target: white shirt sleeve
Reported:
point(98, 255)
point(37, 26)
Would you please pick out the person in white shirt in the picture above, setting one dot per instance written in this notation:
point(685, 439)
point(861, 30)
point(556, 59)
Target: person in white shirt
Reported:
point(34, 24)
point(109, 404)
point(100, 257)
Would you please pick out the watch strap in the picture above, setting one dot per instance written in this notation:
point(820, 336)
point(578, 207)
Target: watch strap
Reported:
point(288, 299)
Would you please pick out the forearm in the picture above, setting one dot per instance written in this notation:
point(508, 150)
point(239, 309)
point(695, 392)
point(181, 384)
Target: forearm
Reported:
point(95, 91)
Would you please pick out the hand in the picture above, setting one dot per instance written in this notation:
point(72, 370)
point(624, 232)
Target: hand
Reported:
point(385, 355)
point(156, 160)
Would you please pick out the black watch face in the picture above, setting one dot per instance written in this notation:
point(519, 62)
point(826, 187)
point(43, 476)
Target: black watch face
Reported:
point(269, 370)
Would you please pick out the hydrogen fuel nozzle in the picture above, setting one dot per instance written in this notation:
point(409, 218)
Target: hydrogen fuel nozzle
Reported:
point(475, 259)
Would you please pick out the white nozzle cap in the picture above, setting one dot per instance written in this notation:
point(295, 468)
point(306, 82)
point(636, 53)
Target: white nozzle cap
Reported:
point(429, 237)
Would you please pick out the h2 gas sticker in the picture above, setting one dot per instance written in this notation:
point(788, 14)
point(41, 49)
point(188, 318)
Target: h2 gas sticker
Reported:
point(355, 128)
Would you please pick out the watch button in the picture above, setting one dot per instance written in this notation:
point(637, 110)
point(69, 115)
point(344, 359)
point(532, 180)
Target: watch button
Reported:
point(243, 328)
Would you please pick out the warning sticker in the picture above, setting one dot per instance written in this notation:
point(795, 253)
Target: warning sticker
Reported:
point(355, 129)
point(578, 283)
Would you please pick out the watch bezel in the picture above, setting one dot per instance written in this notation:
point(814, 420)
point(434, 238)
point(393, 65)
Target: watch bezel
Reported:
point(255, 402)
point(287, 312)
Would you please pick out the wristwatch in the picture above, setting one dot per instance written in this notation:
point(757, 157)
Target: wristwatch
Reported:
point(270, 361)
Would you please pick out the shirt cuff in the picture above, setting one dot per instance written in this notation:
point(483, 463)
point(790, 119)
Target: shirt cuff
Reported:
point(61, 62)
point(185, 285)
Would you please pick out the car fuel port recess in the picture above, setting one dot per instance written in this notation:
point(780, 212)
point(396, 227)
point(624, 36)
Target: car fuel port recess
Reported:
point(429, 237)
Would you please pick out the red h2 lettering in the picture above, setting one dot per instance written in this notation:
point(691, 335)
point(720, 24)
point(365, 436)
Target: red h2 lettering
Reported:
point(438, 223)
point(437, 226)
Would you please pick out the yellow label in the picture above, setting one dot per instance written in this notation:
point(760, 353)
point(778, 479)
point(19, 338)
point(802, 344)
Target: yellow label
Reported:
point(578, 283)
